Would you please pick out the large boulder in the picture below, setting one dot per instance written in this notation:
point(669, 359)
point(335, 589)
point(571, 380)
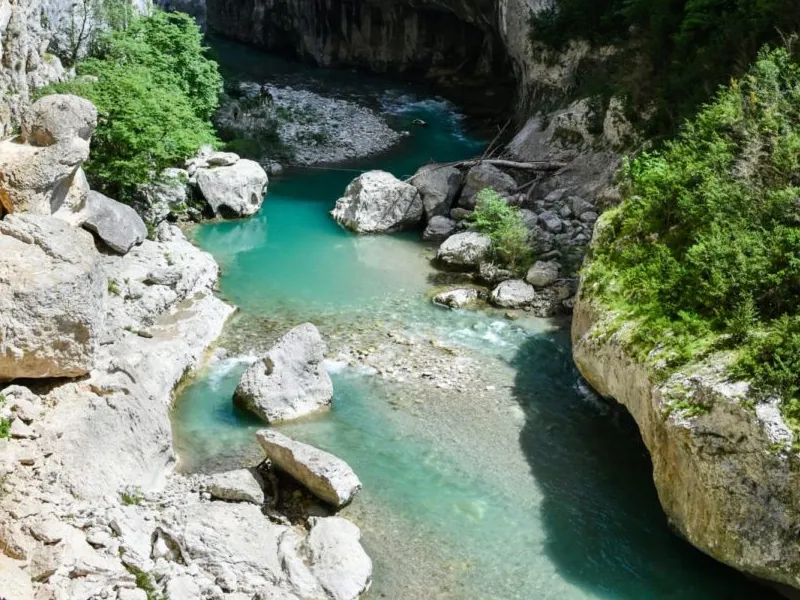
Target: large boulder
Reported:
point(513, 293)
point(378, 202)
point(484, 176)
point(337, 559)
point(236, 190)
point(52, 295)
point(290, 381)
point(116, 224)
point(326, 476)
point(37, 170)
point(58, 118)
point(458, 298)
point(438, 186)
point(439, 228)
point(241, 485)
point(466, 249)
point(543, 273)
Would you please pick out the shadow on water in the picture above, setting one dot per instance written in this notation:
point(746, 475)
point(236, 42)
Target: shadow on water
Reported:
point(605, 530)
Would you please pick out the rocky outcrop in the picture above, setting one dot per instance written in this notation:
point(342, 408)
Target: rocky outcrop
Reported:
point(242, 485)
point(466, 249)
point(38, 169)
point(52, 292)
point(233, 190)
point(723, 462)
point(167, 196)
point(438, 186)
point(327, 477)
point(378, 202)
point(117, 225)
point(290, 381)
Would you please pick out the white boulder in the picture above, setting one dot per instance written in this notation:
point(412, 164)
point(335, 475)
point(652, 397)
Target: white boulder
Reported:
point(290, 381)
point(513, 293)
point(117, 225)
point(465, 249)
point(378, 202)
point(326, 476)
point(236, 190)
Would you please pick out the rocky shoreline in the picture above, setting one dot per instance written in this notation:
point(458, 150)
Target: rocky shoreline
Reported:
point(102, 327)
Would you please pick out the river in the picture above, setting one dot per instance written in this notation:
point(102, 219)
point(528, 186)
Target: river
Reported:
point(489, 472)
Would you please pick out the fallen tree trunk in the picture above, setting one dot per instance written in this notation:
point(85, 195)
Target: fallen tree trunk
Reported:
point(541, 165)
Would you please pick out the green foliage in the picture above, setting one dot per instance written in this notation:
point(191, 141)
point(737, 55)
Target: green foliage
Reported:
point(155, 91)
point(131, 495)
point(145, 582)
point(113, 287)
point(707, 240)
point(504, 225)
point(674, 53)
point(5, 423)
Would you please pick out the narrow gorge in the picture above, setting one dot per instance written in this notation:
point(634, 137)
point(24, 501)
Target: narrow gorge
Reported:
point(385, 300)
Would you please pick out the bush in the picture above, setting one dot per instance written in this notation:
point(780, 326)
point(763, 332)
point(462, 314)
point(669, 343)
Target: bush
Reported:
point(155, 91)
point(504, 225)
point(706, 242)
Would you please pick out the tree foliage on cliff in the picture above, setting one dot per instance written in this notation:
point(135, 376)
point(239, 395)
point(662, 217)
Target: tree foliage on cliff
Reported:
point(156, 91)
point(673, 53)
point(706, 245)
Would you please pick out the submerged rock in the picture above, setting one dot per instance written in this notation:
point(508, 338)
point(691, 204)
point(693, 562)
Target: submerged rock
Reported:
point(438, 186)
point(378, 202)
point(466, 249)
point(513, 293)
point(51, 298)
point(236, 190)
point(290, 381)
point(327, 477)
point(116, 224)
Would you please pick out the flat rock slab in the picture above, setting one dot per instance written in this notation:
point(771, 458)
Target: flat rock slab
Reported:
point(326, 476)
point(240, 485)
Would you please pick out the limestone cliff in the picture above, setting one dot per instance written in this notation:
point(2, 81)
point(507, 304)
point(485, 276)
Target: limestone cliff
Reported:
point(723, 465)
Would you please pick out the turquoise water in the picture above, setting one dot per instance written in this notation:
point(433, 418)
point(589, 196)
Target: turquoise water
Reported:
point(521, 485)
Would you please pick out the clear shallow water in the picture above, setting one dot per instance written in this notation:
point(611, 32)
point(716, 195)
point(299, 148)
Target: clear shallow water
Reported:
point(520, 488)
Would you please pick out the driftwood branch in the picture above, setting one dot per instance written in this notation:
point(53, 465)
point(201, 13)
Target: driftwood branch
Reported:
point(540, 165)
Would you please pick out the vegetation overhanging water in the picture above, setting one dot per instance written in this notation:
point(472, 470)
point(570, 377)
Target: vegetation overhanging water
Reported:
point(527, 487)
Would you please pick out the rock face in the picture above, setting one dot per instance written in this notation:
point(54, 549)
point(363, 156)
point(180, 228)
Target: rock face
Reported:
point(51, 298)
point(438, 186)
point(235, 190)
point(464, 249)
point(725, 472)
point(378, 202)
point(513, 293)
point(290, 381)
point(327, 477)
point(117, 225)
point(484, 176)
point(38, 169)
point(167, 196)
point(439, 40)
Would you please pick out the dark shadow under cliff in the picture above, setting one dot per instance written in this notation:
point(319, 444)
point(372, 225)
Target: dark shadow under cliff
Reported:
point(605, 529)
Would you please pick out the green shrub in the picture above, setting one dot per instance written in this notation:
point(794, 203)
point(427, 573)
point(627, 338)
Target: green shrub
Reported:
point(5, 423)
point(504, 225)
point(155, 91)
point(707, 240)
